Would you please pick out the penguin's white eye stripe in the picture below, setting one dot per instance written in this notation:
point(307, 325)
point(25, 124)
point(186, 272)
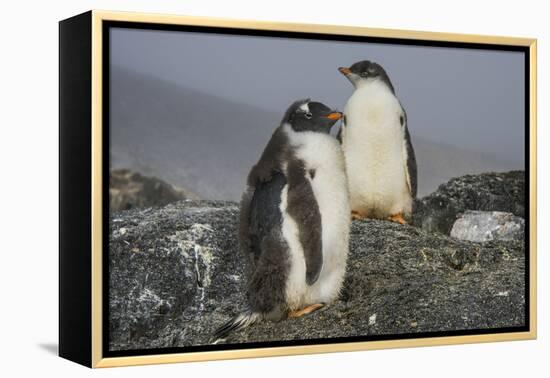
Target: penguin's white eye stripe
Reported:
point(308, 115)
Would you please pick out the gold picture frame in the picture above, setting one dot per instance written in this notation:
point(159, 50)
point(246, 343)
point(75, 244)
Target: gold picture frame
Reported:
point(91, 24)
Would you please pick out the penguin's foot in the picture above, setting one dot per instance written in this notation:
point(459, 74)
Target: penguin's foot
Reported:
point(356, 215)
point(398, 218)
point(307, 310)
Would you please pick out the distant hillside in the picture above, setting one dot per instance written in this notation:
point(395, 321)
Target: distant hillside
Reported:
point(207, 144)
point(438, 163)
point(187, 138)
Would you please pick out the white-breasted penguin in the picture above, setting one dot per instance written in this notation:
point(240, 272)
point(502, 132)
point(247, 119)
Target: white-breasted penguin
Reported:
point(294, 221)
point(380, 159)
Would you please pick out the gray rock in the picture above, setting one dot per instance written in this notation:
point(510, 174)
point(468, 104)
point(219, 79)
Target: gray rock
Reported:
point(438, 211)
point(130, 190)
point(481, 226)
point(176, 274)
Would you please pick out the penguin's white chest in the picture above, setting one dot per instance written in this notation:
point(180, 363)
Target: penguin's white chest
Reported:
point(373, 144)
point(323, 154)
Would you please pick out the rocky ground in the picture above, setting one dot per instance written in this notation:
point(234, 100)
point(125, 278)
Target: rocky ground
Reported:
point(487, 192)
point(176, 274)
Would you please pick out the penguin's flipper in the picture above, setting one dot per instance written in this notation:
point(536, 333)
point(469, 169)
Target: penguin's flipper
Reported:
point(303, 208)
point(262, 214)
point(409, 157)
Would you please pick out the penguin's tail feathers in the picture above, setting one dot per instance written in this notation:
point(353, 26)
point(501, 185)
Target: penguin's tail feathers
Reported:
point(238, 322)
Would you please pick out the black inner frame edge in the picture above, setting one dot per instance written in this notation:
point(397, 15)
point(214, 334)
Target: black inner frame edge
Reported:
point(107, 25)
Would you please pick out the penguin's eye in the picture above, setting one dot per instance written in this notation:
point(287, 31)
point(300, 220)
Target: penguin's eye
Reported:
point(308, 115)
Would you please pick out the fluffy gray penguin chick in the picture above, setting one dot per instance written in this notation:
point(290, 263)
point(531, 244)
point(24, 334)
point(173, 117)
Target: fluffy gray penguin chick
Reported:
point(294, 221)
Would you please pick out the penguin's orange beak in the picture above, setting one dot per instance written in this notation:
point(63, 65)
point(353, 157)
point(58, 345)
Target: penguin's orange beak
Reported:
point(344, 70)
point(335, 116)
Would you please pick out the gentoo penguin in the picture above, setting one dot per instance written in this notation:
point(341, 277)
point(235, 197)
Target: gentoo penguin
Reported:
point(380, 160)
point(294, 221)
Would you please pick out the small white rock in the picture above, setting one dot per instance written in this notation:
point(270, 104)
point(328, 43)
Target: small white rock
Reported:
point(481, 226)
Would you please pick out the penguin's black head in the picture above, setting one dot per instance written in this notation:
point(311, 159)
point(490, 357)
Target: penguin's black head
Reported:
point(306, 115)
point(365, 71)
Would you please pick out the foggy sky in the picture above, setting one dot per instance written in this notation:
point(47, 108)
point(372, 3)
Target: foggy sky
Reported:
point(469, 98)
